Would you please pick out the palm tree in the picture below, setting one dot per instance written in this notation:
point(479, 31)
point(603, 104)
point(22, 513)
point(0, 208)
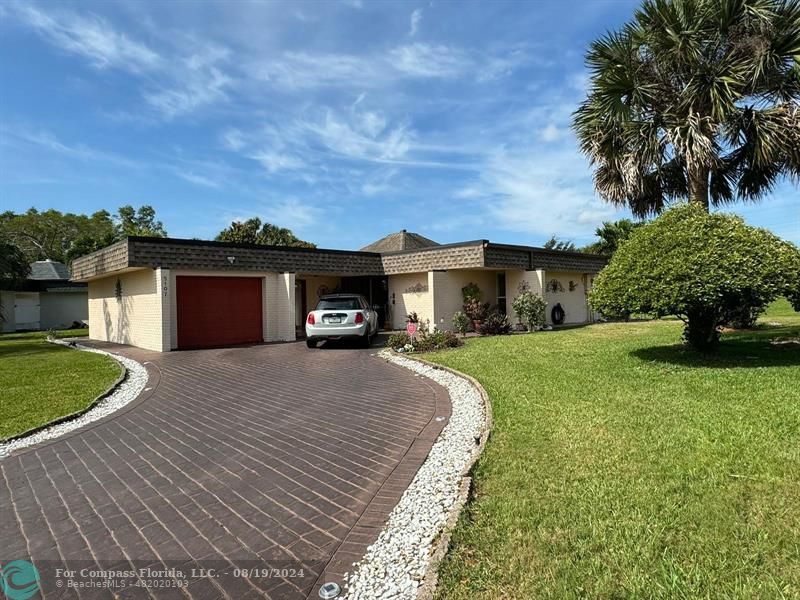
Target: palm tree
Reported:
point(697, 99)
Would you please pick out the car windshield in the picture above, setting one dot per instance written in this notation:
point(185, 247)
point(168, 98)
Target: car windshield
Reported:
point(339, 304)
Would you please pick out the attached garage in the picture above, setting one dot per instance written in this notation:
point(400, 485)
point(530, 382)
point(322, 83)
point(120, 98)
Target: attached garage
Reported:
point(218, 311)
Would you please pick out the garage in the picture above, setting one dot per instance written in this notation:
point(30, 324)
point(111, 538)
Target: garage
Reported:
point(218, 311)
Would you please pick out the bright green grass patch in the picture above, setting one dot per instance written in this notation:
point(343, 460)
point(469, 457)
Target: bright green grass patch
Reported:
point(40, 381)
point(624, 465)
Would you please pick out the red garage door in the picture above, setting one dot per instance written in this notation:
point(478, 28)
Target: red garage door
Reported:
point(218, 311)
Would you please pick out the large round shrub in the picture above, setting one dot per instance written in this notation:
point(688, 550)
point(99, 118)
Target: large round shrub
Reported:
point(698, 266)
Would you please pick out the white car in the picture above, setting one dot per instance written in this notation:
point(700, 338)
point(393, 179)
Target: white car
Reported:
point(340, 316)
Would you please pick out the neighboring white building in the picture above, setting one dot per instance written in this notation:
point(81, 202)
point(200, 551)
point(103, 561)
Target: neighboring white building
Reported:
point(47, 300)
point(165, 294)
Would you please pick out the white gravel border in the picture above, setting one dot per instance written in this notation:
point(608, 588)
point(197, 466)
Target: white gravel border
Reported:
point(129, 388)
point(402, 562)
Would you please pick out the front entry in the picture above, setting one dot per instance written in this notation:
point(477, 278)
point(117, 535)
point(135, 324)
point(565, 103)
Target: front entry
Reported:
point(300, 307)
point(218, 311)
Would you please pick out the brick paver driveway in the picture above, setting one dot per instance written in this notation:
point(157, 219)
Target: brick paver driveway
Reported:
point(240, 472)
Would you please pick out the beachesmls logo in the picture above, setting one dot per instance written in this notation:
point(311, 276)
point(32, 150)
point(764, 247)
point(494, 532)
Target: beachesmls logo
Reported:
point(20, 579)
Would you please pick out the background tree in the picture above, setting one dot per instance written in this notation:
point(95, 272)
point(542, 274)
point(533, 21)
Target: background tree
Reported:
point(14, 267)
point(51, 233)
point(694, 98)
point(252, 231)
point(555, 244)
point(142, 222)
point(611, 234)
point(698, 266)
point(65, 236)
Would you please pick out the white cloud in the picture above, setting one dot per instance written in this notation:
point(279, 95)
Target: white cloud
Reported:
point(195, 81)
point(293, 214)
point(197, 179)
point(274, 162)
point(233, 139)
point(416, 19)
point(300, 70)
point(551, 133)
point(426, 60)
point(543, 193)
point(89, 36)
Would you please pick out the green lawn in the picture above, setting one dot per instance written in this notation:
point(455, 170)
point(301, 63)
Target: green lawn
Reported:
point(624, 465)
point(40, 381)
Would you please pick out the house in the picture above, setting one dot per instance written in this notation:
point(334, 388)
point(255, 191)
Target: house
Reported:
point(46, 300)
point(164, 294)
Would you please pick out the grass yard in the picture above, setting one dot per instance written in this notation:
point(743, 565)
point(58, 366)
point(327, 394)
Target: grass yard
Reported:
point(624, 465)
point(40, 381)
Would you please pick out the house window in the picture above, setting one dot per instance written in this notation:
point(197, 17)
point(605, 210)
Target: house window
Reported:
point(501, 292)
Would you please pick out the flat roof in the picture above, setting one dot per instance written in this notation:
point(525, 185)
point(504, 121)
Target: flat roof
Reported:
point(178, 253)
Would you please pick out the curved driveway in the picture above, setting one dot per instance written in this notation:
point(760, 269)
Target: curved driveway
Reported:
point(242, 472)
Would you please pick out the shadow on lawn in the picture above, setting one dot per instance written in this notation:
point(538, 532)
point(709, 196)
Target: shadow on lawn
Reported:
point(746, 349)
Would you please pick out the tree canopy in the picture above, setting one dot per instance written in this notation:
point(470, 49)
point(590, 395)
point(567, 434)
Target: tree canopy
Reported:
point(611, 234)
point(698, 266)
point(65, 236)
point(252, 231)
point(556, 244)
point(694, 99)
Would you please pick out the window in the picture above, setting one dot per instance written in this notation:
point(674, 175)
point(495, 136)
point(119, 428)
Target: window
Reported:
point(501, 292)
point(351, 303)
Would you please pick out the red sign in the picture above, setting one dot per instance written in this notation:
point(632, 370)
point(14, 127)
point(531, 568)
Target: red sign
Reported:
point(411, 328)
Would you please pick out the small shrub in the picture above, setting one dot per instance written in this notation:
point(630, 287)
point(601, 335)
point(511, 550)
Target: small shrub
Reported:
point(461, 322)
point(439, 339)
point(496, 324)
point(398, 340)
point(529, 306)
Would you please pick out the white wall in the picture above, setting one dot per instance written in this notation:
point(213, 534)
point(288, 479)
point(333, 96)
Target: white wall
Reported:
point(573, 302)
point(447, 291)
point(513, 279)
point(403, 300)
point(60, 310)
point(27, 310)
point(136, 317)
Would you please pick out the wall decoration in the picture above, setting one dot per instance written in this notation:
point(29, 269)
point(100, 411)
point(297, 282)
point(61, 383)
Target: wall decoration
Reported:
point(554, 286)
point(118, 290)
point(572, 286)
point(418, 288)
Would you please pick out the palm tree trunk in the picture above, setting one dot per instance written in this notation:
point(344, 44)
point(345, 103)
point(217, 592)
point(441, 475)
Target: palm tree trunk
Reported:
point(698, 186)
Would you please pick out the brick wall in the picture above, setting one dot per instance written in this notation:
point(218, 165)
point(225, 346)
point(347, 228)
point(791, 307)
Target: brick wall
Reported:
point(406, 300)
point(447, 292)
point(135, 318)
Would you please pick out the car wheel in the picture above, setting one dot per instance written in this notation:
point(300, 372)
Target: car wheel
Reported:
point(311, 343)
point(365, 340)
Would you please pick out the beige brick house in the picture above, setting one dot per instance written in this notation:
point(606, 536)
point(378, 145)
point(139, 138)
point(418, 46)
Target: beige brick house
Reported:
point(165, 294)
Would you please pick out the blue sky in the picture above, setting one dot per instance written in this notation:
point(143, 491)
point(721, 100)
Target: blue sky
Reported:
point(343, 120)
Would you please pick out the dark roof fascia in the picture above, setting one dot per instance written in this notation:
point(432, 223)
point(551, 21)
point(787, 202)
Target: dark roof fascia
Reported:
point(539, 250)
point(214, 243)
